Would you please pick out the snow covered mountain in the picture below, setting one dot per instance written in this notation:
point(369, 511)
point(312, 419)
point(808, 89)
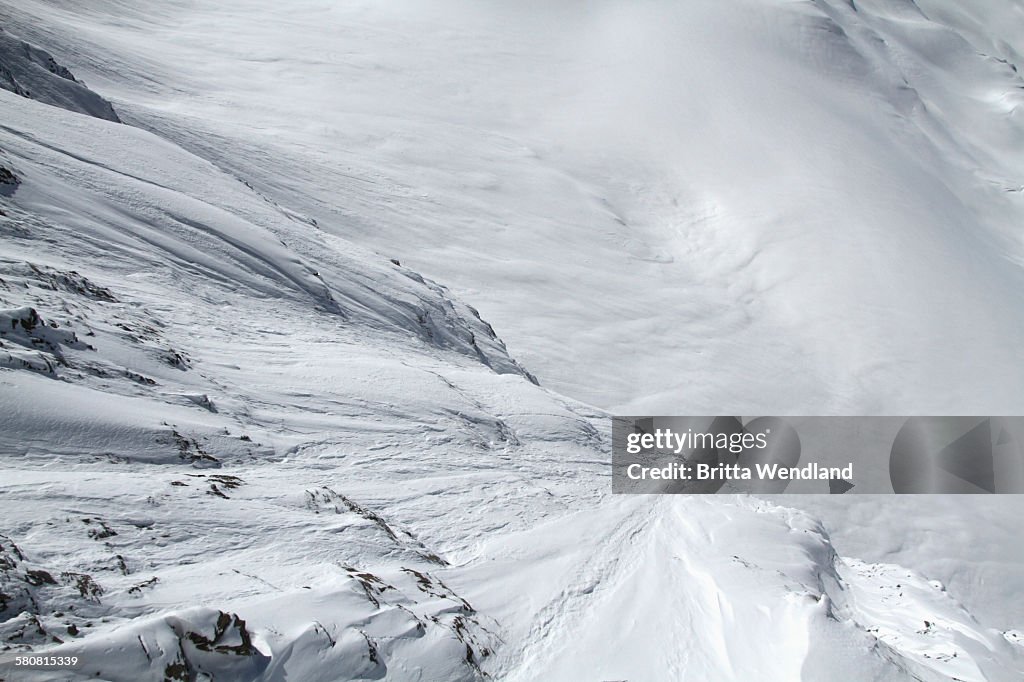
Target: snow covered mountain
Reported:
point(254, 428)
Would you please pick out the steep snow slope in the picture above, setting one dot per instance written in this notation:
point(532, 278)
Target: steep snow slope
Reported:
point(255, 449)
point(754, 203)
point(762, 207)
point(718, 590)
point(223, 469)
point(30, 72)
point(178, 360)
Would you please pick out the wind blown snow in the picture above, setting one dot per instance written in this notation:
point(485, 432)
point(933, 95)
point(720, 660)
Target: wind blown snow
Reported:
point(257, 423)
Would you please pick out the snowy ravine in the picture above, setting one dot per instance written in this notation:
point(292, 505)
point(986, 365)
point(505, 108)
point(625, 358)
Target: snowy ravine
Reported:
point(251, 427)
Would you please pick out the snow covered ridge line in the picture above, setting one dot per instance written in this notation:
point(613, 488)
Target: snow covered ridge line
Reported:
point(771, 574)
point(356, 625)
point(206, 222)
point(28, 71)
point(733, 589)
point(223, 332)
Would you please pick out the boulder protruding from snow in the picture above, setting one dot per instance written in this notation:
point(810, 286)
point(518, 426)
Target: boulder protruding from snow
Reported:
point(27, 341)
point(7, 177)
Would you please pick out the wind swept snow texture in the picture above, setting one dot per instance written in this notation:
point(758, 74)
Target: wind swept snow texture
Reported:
point(244, 438)
point(742, 208)
point(31, 72)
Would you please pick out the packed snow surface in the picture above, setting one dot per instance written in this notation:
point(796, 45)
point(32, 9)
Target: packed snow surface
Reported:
point(255, 428)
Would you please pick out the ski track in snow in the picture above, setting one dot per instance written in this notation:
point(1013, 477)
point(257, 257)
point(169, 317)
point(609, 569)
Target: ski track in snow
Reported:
point(239, 440)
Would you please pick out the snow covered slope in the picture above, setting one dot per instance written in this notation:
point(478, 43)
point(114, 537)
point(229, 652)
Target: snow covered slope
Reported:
point(171, 358)
point(767, 194)
point(240, 441)
point(30, 72)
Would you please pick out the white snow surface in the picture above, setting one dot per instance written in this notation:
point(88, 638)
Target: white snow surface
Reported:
point(239, 442)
